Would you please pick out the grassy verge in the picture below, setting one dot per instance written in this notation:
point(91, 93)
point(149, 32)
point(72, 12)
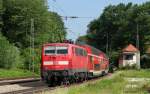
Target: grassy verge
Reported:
point(15, 73)
point(105, 86)
point(116, 84)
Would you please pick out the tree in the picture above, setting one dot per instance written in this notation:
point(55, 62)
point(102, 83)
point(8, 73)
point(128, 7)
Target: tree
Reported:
point(16, 28)
point(1, 11)
point(17, 22)
point(9, 54)
point(56, 31)
point(118, 25)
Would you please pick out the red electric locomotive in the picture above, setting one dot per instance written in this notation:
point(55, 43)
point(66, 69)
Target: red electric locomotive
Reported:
point(65, 62)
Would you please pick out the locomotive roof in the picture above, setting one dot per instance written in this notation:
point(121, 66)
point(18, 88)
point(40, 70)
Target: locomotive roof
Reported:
point(66, 44)
point(94, 50)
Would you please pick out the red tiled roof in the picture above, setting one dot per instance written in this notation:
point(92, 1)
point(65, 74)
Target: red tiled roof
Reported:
point(130, 48)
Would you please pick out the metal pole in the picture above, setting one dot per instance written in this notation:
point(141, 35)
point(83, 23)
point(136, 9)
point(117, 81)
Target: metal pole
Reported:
point(137, 37)
point(137, 45)
point(32, 43)
point(30, 48)
point(107, 44)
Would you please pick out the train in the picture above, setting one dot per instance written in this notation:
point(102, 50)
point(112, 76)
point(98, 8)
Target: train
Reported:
point(63, 62)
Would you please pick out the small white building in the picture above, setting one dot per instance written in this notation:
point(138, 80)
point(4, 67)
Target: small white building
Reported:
point(130, 56)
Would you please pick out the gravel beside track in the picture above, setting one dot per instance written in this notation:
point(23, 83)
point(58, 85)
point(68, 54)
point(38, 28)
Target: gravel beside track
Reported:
point(21, 87)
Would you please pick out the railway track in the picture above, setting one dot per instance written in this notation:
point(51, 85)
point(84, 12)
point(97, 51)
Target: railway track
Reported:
point(31, 91)
point(39, 86)
point(17, 80)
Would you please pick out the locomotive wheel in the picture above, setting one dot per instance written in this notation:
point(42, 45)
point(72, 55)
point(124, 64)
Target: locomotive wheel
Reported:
point(72, 79)
point(86, 77)
point(51, 81)
point(65, 81)
point(82, 77)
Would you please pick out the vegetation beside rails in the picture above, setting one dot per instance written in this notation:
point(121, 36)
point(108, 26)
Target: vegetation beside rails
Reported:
point(16, 73)
point(136, 73)
point(115, 84)
point(15, 32)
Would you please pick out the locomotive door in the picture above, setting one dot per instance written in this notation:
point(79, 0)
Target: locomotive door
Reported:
point(91, 62)
point(96, 64)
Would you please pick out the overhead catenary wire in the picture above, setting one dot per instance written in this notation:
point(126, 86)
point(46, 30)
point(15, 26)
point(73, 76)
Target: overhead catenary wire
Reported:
point(73, 33)
point(67, 17)
point(75, 17)
point(65, 13)
point(59, 7)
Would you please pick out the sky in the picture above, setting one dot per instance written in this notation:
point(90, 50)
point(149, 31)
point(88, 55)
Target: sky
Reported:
point(88, 10)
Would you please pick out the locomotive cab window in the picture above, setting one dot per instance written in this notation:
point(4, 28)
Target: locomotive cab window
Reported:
point(62, 50)
point(51, 50)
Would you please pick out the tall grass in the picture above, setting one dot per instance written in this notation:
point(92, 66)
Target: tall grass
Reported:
point(136, 73)
point(15, 73)
point(115, 85)
point(105, 86)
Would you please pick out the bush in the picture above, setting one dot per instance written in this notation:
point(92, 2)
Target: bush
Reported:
point(145, 61)
point(28, 56)
point(133, 66)
point(9, 54)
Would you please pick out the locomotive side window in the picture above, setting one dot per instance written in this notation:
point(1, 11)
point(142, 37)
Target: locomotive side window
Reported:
point(62, 50)
point(77, 51)
point(84, 53)
point(80, 52)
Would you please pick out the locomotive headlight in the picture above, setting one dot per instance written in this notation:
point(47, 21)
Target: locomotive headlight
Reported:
point(63, 62)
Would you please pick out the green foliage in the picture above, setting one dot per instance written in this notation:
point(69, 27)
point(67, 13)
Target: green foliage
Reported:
point(16, 73)
point(55, 33)
point(128, 67)
point(116, 84)
point(32, 59)
point(1, 10)
point(105, 86)
point(136, 73)
point(119, 24)
point(9, 54)
point(17, 22)
point(145, 61)
point(15, 25)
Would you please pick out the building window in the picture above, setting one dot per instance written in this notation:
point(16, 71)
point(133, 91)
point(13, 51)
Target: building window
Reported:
point(129, 57)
